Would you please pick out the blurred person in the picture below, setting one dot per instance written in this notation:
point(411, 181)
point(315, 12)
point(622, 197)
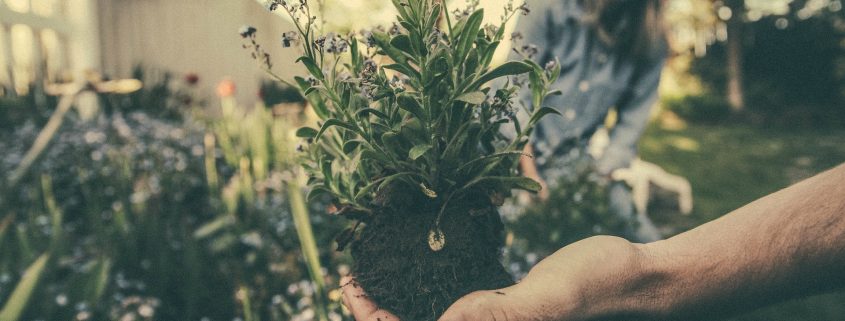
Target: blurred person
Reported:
point(611, 53)
point(786, 245)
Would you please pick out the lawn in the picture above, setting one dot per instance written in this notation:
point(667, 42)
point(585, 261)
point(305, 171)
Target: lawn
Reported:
point(730, 165)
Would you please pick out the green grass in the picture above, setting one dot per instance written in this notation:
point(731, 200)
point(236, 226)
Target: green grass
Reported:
point(734, 164)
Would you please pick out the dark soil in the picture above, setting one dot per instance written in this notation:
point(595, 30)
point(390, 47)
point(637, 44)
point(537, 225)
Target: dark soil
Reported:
point(400, 272)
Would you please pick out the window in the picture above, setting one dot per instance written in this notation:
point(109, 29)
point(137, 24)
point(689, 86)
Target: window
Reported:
point(34, 39)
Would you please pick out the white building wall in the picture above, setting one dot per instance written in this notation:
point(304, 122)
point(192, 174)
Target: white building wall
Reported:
point(192, 36)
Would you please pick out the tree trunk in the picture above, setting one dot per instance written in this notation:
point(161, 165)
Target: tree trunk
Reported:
point(736, 91)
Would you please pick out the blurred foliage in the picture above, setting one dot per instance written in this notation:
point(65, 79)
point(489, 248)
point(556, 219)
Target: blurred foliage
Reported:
point(704, 108)
point(794, 65)
point(153, 213)
point(17, 109)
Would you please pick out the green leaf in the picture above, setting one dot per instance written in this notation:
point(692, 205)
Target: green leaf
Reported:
point(392, 143)
point(309, 91)
point(540, 113)
point(413, 106)
point(212, 227)
point(402, 42)
point(471, 64)
point(432, 19)
point(378, 113)
point(555, 92)
point(356, 55)
point(400, 7)
point(390, 179)
point(376, 156)
point(489, 157)
point(101, 280)
point(349, 147)
point(316, 191)
point(306, 132)
point(475, 97)
point(326, 169)
point(489, 52)
point(312, 67)
point(407, 71)
point(418, 151)
point(17, 302)
point(516, 182)
point(458, 138)
point(383, 42)
point(507, 69)
point(334, 122)
point(468, 34)
point(317, 102)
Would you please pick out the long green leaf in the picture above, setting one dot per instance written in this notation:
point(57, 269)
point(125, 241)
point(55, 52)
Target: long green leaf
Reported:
point(394, 177)
point(312, 67)
point(475, 97)
point(376, 184)
point(378, 113)
point(402, 42)
point(418, 151)
point(507, 69)
point(101, 280)
point(308, 244)
point(212, 227)
point(540, 113)
point(383, 42)
point(331, 123)
point(405, 70)
point(518, 182)
point(17, 302)
point(349, 146)
point(306, 132)
point(468, 34)
point(488, 157)
point(413, 106)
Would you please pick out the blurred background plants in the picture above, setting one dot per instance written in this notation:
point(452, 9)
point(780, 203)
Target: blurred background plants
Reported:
point(182, 233)
point(160, 208)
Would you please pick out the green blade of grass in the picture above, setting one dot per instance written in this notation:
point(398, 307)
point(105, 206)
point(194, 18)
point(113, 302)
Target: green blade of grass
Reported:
point(309, 245)
point(14, 307)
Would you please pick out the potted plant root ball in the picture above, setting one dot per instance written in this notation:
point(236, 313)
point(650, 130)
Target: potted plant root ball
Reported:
point(416, 148)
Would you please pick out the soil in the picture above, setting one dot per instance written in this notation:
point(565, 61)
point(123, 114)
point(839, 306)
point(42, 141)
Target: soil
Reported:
point(402, 274)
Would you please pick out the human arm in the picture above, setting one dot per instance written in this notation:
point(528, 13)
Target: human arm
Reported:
point(529, 169)
point(788, 244)
point(633, 112)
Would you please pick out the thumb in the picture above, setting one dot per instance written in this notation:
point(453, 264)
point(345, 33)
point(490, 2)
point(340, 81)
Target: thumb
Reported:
point(483, 305)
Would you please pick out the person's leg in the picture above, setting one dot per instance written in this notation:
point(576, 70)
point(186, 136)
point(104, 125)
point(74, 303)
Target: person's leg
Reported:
point(639, 228)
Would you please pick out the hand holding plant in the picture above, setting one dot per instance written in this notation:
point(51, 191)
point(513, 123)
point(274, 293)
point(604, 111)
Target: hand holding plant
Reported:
point(411, 147)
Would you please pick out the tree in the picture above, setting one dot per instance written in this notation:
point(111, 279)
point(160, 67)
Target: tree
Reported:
point(736, 91)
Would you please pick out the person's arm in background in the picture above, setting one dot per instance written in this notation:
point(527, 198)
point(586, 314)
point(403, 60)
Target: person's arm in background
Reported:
point(785, 245)
point(529, 169)
point(633, 116)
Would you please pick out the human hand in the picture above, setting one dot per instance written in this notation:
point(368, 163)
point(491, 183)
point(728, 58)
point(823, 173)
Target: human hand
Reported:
point(589, 279)
point(361, 307)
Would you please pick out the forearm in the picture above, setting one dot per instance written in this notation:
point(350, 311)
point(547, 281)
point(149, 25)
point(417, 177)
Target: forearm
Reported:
point(787, 244)
point(526, 164)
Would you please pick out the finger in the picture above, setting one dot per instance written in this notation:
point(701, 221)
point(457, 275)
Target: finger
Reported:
point(362, 308)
